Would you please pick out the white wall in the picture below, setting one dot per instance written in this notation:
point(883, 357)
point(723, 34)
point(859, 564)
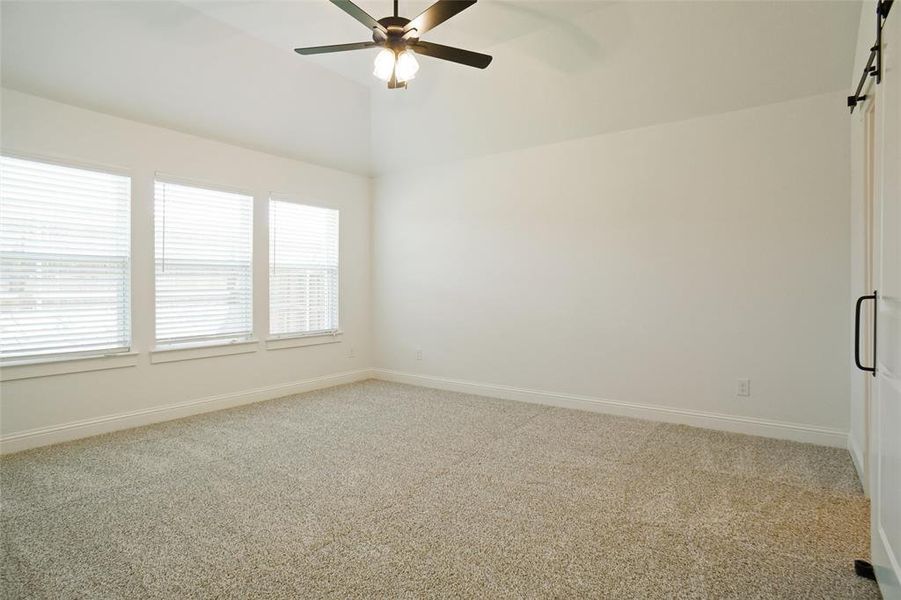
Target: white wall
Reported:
point(44, 128)
point(651, 266)
point(614, 67)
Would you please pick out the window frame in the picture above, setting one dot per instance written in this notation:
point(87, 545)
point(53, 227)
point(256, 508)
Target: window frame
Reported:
point(27, 367)
point(301, 339)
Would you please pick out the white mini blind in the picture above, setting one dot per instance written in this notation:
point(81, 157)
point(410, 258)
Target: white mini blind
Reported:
point(64, 260)
point(203, 264)
point(303, 269)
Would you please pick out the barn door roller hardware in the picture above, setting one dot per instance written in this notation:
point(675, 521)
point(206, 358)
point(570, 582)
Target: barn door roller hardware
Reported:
point(882, 9)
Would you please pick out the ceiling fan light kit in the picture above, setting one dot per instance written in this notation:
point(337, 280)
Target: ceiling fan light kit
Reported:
point(399, 40)
point(402, 66)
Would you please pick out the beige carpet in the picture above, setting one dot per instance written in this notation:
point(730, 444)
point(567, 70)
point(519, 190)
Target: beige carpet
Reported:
point(377, 489)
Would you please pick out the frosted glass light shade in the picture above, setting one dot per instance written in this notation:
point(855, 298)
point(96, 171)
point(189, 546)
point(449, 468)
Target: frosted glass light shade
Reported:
point(384, 64)
point(406, 66)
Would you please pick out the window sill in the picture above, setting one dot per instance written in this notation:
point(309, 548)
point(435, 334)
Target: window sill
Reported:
point(168, 354)
point(61, 365)
point(300, 341)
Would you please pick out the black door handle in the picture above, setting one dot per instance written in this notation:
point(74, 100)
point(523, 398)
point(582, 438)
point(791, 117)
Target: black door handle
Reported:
point(860, 300)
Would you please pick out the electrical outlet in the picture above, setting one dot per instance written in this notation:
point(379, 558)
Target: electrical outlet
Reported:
point(744, 387)
point(419, 354)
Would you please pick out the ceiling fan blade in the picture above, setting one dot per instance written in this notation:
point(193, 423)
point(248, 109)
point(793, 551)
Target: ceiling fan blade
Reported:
point(436, 14)
point(335, 48)
point(457, 55)
point(359, 14)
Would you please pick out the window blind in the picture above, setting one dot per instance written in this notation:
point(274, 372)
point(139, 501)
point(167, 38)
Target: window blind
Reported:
point(203, 242)
point(64, 260)
point(303, 269)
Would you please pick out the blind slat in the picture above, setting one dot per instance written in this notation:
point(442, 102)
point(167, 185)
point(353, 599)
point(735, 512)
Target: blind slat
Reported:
point(303, 268)
point(203, 263)
point(64, 260)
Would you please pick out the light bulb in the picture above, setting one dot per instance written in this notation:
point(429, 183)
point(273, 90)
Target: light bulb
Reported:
point(406, 66)
point(384, 64)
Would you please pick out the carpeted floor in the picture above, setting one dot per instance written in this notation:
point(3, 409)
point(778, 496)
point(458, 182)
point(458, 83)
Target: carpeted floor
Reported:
point(378, 489)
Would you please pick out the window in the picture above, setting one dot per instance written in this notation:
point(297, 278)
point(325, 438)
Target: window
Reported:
point(203, 264)
point(303, 269)
point(64, 261)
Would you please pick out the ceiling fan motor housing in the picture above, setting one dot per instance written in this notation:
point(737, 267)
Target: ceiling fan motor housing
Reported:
point(397, 39)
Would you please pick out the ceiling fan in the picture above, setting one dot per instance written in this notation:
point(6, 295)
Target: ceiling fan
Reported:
point(399, 39)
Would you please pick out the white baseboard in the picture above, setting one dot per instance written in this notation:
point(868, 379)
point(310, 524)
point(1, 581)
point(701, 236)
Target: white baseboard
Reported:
point(89, 427)
point(857, 458)
point(45, 436)
point(749, 425)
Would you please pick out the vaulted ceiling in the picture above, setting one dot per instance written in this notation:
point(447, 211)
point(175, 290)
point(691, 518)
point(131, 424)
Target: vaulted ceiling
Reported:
point(561, 70)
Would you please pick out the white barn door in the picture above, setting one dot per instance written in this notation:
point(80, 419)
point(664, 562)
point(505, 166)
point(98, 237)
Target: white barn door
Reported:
point(885, 425)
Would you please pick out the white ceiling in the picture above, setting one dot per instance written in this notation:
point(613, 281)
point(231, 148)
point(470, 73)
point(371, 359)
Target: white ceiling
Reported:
point(625, 65)
point(169, 64)
point(285, 24)
point(562, 70)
